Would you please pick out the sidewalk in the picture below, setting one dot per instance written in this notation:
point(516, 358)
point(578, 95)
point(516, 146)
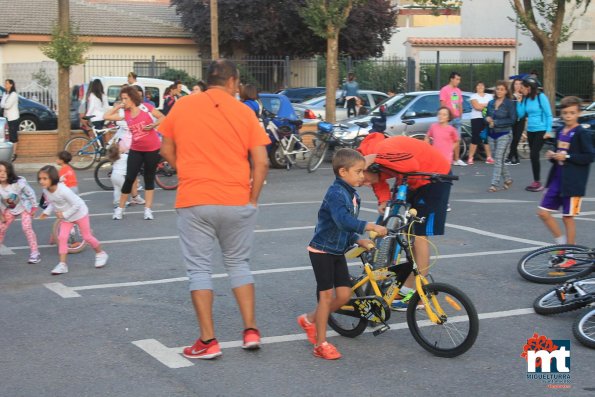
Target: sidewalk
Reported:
point(32, 164)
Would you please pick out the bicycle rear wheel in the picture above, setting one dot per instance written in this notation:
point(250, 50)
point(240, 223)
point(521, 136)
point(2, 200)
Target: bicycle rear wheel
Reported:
point(584, 327)
point(84, 153)
point(75, 242)
point(556, 263)
point(551, 303)
point(103, 175)
point(305, 146)
point(318, 154)
point(166, 177)
point(347, 322)
point(456, 331)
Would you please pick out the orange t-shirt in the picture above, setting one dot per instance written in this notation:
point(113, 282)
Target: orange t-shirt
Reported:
point(213, 133)
point(68, 176)
point(403, 154)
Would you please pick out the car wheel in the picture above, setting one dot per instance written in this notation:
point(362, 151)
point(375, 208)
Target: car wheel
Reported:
point(28, 123)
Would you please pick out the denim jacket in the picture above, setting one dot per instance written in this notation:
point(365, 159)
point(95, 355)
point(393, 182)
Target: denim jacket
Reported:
point(338, 227)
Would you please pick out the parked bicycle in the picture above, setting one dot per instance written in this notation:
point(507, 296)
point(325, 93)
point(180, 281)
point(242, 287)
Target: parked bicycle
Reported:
point(448, 324)
point(86, 151)
point(288, 147)
point(166, 177)
point(557, 263)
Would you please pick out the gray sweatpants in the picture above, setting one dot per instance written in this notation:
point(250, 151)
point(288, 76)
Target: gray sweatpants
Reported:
point(500, 148)
point(232, 226)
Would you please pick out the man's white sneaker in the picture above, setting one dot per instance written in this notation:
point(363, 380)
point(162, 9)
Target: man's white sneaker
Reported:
point(148, 214)
point(101, 259)
point(60, 268)
point(137, 200)
point(460, 162)
point(118, 212)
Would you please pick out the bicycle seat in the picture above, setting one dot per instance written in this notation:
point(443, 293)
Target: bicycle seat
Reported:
point(361, 124)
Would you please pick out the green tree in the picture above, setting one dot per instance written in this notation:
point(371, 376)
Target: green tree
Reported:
point(548, 23)
point(326, 18)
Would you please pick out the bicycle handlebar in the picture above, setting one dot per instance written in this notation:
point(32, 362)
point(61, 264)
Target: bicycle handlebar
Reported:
point(432, 176)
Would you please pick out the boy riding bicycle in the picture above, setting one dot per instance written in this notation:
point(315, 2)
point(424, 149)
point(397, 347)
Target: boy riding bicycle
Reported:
point(337, 230)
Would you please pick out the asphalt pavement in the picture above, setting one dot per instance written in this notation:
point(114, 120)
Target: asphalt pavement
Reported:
point(118, 331)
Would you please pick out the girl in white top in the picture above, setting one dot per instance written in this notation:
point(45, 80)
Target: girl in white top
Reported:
point(17, 198)
point(97, 103)
point(71, 209)
point(479, 102)
point(10, 104)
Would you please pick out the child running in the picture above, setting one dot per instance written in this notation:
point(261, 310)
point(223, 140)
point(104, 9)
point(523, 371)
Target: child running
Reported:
point(17, 198)
point(567, 180)
point(71, 209)
point(336, 231)
point(66, 173)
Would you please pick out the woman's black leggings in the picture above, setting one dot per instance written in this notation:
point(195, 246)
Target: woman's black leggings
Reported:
point(351, 107)
point(136, 159)
point(535, 144)
point(13, 131)
point(517, 132)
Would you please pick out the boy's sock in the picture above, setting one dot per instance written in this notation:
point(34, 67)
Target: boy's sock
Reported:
point(560, 240)
point(404, 290)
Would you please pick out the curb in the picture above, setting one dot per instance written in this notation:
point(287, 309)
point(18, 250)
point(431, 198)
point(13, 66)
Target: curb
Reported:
point(29, 167)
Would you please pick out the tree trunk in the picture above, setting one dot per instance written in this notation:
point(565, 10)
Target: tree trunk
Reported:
point(214, 30)
point(63, 81)
point(332, 75)
point(550, 54)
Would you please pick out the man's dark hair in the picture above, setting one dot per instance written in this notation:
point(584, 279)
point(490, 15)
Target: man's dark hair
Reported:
point(569, 101)
point(220, 71)
point(346, 158)
point(453, 75)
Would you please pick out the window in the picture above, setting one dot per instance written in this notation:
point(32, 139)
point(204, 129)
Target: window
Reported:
point(271, 104)
point(378, 98)
point(149, 69)
point(467, 108)
point(153, 94)
point(426, 106)
point(583, 45)
point(113, 92)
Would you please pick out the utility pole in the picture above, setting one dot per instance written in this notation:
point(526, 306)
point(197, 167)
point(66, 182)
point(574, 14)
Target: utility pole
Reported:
point(214, 31)
point(63, 80)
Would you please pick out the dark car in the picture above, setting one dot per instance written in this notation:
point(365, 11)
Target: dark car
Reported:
point(301, 94)
point(34, 115)
point(586, 120)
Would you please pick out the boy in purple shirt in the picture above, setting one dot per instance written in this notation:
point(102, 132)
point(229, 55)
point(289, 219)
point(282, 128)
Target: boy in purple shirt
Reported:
point(567, 180)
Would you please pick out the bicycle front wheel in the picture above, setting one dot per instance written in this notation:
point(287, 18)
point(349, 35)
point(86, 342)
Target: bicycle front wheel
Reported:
point(303, 149)
point(556, 263)
point(103, 175)
point(166, 176)
point(584, 327)
point(347, 321)
point(84, 152)
point(551, 302)
point(456, 330)
point(318, 153)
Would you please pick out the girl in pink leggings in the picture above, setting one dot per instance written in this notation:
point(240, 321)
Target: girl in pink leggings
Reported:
point(71, 209)
point(17, 198)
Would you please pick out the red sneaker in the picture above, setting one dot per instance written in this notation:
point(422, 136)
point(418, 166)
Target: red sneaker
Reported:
point(308, 327)
point(203, 351)
point(251, 339)
point(326, 351)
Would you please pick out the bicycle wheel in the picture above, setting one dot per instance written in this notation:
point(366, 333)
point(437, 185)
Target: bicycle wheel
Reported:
point(347, 322)
point(458, 328)
point(103, 175)
point(549, 265)
point(84, 152)
point(550, 302)
point(76, 243)
point(304, 148)
point(318, 154)
point(166, 176)
point(584, 327)
point(276, 156)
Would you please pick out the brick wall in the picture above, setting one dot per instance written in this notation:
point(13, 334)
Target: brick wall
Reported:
point(39, 144)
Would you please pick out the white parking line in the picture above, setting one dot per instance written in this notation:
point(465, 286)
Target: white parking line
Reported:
point(171, 356)
point(4, 250)
point(70, 292)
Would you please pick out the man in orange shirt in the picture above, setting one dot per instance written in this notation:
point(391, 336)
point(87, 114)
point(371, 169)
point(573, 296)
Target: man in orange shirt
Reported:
point(208, 139)
point(404, 154)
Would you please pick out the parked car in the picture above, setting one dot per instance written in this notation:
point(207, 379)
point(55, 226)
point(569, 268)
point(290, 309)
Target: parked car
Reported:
point(112, 87)
point(5, 146)
point(406, 114)
point(586, 120)
point(301, 94)
point(34, 115)
point(314, 110)
point(590, 108)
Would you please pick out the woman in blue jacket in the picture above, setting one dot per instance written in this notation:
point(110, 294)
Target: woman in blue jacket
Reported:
point(536, 107)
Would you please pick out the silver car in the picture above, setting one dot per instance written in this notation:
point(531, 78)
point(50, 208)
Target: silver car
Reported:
point(406, 114)
point(5, 146)
point(313, 110)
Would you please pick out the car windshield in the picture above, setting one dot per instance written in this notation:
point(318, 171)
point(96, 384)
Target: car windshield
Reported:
point(394, 105)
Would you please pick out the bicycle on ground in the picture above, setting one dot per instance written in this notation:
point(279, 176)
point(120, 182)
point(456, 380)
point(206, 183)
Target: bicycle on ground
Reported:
point(447, 325)
point(86, 151)
point(75, 241)
point(557, 263)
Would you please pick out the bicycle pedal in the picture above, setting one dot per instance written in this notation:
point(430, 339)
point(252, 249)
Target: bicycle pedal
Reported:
point(380, 330)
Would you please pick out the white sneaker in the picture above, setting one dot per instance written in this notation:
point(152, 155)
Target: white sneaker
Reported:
point(460, 162)
point(148, 214)
point(60, 268)
point(101, 259)
point(137, 200)
point(118, 212)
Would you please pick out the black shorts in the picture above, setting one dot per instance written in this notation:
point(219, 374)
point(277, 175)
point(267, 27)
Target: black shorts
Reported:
point(330, 271)
point(431, 202)
point(477, 125)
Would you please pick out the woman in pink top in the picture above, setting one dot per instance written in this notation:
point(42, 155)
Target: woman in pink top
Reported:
point(442, 135)
point(142, 119)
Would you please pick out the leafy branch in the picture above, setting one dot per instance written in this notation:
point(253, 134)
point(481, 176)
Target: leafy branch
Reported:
point(66, 47)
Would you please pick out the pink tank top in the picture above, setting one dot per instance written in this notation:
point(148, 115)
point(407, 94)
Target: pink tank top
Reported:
point(142, 140)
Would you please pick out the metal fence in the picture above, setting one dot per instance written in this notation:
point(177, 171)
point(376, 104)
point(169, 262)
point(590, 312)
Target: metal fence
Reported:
point(35, 80)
